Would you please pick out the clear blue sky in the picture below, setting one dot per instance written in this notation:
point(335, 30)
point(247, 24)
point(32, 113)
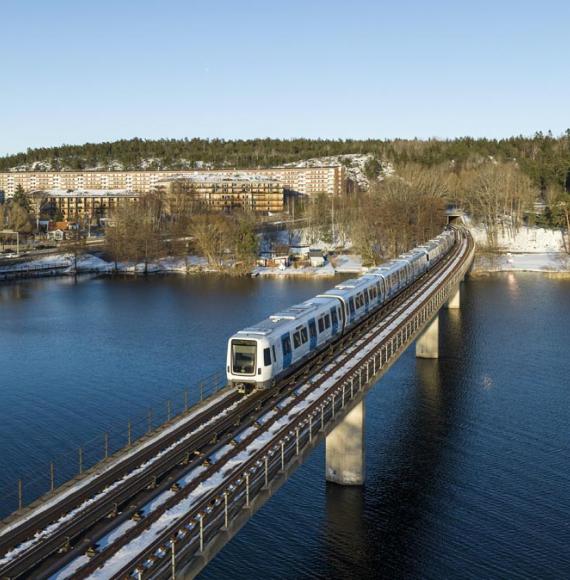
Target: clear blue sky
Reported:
point(77, 71)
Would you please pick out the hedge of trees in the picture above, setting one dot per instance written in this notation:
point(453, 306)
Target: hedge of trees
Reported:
point(545, 158)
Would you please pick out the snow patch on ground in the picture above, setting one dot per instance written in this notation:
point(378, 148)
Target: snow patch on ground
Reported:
point(348, 264)
point(326, 270)
point(529, 249)
point(88, 263)
point(525, 240)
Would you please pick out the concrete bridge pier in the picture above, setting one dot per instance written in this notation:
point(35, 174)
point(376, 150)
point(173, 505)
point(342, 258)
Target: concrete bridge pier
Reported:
point(427, 345)
point(455, 301)
point(345, 449)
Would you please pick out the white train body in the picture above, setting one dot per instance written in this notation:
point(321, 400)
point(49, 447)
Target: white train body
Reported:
point(260, 355)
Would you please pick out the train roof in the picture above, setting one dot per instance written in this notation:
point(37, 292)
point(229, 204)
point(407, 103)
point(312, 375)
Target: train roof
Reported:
point(430, 245)
point(417, 253)
point(287, 318)
point(353, 283)
point(298, 314)
point(347, 288)
point(389, 267)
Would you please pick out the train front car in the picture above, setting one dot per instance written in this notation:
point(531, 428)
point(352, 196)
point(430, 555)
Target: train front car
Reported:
point(249, 361)
point(262, 354)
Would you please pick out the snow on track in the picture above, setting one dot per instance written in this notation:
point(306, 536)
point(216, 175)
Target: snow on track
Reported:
point(53, 527)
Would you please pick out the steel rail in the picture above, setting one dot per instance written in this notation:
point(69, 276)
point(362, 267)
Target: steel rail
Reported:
point(96, 561)
point(123, 468)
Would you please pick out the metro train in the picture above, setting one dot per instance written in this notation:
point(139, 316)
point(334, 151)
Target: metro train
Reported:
point(261, 355)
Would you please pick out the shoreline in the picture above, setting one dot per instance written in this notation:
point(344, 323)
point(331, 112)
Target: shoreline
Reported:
point(553, 265)
point(563, 274)
point(550, 264)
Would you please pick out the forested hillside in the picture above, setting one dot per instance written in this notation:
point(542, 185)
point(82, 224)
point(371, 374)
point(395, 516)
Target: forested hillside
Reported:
point(544, 158)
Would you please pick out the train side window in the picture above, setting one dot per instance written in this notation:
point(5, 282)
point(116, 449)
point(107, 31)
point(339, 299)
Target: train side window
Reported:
point(266, 357)
point(297, 339)
point(304, 337)
point(321, 325)
point(351, 304)
point(327, 321)
point(366, 299)
point(273, 351)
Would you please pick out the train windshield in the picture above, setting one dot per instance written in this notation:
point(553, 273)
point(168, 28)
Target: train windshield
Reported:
point(243, 357)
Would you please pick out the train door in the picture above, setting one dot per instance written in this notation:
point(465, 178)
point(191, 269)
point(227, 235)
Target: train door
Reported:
point(312, 334)
point(366, 300)
point(287, 350)
point(334, 318)
point(342, 317)
point(351, 308)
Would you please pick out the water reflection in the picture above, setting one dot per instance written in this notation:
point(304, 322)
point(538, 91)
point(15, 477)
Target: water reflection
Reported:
point(380, 529)
point(12, 292)
point(513, 287)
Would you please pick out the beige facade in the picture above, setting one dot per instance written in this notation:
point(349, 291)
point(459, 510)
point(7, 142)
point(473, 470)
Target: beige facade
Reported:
point(305, 181)
point(223, 191)
point(86, 204)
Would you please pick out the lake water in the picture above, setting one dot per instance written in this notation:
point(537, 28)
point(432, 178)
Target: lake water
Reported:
point(468, 457)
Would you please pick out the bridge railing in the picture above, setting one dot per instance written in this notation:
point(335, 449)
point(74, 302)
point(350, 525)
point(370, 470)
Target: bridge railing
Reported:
point(49, 476)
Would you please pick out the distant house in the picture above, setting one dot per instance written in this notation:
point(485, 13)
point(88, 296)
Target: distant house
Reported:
point(317, 258)
point(57, 235)
point(300, 251)
point(273, 259)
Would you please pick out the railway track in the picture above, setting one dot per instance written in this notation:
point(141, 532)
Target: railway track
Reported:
point(222, 419)
point(93, 566)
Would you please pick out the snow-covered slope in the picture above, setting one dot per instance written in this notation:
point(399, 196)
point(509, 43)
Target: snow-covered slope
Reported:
point(525, 240)
point(355, 164)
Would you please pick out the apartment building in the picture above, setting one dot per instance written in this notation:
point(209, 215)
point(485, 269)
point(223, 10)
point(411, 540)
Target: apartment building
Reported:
point(223, 191)
point(80, 204)
point(299, 180)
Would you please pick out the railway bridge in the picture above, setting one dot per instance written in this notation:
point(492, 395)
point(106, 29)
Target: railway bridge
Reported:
point(167, 505)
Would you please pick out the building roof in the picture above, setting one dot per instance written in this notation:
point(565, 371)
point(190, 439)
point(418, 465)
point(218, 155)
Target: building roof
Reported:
point(217, 176)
